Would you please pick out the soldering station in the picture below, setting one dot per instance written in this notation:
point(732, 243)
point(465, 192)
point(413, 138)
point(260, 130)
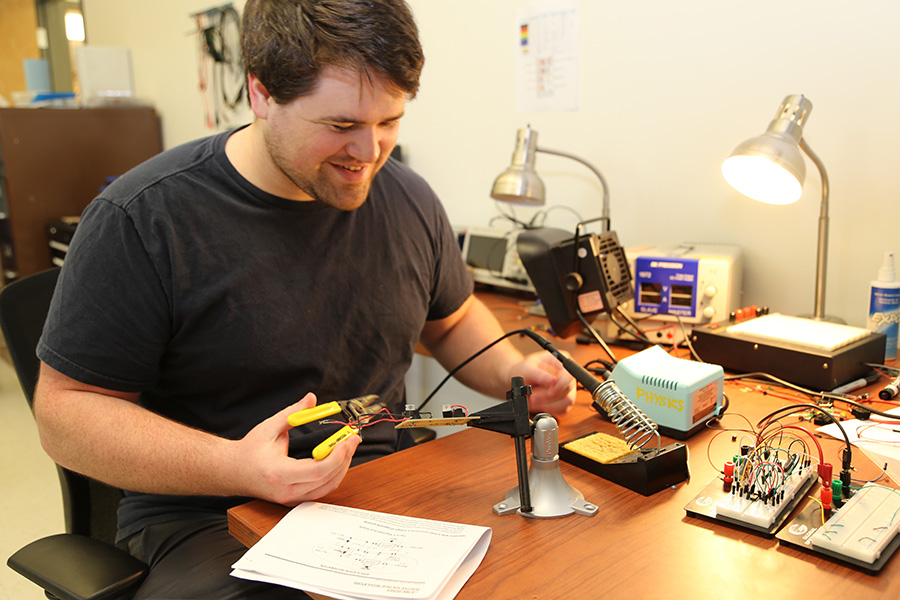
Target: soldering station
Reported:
point(662, 300)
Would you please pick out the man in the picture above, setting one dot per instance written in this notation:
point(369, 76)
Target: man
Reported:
point(209, 288)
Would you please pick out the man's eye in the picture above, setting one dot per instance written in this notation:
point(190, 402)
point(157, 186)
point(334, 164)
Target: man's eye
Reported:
point(341, 128)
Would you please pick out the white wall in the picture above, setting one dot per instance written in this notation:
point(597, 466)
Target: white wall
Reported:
point(667, 90)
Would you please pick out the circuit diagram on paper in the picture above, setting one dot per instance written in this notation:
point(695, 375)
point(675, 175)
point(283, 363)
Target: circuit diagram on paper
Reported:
point(367, 555)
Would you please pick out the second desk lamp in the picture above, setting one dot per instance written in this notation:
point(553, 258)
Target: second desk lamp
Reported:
point(770, 168)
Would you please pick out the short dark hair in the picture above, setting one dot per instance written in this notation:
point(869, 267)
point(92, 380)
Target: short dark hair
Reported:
point(286, 43)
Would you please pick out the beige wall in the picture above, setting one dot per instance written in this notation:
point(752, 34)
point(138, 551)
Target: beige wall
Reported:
point(18, 41)
point(667, 89)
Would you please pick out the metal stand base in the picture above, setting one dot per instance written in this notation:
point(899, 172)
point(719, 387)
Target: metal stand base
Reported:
point(551, 496)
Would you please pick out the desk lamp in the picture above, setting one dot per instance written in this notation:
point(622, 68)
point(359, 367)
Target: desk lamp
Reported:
point(520, 183)
point(575, 277)
point(770, 168)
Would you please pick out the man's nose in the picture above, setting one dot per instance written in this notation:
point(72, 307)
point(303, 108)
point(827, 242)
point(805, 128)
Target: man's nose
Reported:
point(366, 145)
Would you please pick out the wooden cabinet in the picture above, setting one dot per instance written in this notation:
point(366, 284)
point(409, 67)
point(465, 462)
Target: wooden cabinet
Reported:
point(53, 162)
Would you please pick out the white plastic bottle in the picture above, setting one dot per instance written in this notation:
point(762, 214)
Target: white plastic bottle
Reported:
point(884, 305)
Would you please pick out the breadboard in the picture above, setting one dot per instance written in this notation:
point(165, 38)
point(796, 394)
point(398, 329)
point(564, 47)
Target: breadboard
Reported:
point(707, 503)
point(800, 532)
point(864, 526)
point(763, 513)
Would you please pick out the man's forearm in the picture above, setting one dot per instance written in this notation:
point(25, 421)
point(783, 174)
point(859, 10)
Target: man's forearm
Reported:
point(114, 440)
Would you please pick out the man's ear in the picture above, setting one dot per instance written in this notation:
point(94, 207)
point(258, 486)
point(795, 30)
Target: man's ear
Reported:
point(259, 96)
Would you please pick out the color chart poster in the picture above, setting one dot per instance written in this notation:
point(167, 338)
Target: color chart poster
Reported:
point(547, 60)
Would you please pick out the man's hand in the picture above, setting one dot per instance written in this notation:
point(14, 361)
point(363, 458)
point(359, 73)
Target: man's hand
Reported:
point(552, 388)
point(275, 476)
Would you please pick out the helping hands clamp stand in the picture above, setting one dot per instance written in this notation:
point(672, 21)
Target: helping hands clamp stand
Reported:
point(542, 492)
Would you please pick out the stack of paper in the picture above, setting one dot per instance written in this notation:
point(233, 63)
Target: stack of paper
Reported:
point(351, 554)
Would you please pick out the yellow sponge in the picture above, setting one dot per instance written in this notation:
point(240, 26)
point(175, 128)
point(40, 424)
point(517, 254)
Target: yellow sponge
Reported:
point(601, 447)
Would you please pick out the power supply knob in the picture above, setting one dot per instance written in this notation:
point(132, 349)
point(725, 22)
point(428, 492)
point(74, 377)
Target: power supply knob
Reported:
point(710, 291)
point(709, 312)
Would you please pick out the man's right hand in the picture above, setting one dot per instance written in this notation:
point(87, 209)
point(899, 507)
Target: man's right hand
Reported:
point(285, 480)
point(106, 435)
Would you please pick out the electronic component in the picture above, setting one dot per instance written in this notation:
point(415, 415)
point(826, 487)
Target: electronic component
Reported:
point(452, 411)
point(760, 487)
point(435, 422)
point(763, 514)
point(493, 258)
point(891, 389)
point(677, 394)
point(693, 283)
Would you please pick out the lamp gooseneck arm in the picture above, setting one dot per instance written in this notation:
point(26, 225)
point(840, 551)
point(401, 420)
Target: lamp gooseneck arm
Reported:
point(596, 172)
point(822, 252)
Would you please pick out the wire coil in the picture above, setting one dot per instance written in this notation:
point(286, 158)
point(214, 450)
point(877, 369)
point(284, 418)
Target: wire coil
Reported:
point(636, 428)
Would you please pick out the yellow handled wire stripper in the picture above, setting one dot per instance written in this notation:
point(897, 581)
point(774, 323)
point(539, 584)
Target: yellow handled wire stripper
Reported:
point(355, 409)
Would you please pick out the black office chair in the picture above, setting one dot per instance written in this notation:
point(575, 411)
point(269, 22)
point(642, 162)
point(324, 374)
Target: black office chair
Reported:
point(83, 563)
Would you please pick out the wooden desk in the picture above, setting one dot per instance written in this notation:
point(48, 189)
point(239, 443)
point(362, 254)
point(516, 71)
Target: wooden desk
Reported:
point(634, 547)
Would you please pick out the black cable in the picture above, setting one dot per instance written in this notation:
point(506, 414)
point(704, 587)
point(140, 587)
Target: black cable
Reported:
point(793, 408)
point(465, 362)
point(637, 333)
point(595, 335)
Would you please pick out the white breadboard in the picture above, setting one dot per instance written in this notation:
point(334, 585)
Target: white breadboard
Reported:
point(864, 526)
point(806, 333)
point(761, 513)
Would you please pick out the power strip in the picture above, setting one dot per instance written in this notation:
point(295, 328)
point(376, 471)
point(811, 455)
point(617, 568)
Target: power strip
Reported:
point(863, 527)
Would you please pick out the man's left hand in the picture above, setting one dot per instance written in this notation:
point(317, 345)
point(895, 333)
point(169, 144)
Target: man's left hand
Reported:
point(552, 388)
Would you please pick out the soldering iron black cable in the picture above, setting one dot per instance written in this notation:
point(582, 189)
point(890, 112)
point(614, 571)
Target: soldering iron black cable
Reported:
point(456, 369)
point(464, 363)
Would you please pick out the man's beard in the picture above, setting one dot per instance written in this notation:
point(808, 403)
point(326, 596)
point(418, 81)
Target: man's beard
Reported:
point(345, 197)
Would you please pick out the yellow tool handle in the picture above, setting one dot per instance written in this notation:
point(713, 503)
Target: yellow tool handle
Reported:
point(325, 448)
point(316, 413)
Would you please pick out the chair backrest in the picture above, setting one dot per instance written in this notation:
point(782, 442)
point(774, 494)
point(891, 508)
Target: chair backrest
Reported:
point(23, 309)
point(90, 506)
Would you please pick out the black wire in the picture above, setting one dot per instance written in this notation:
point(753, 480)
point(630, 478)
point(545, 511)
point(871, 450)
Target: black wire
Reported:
point(595, 335)
point(637, 333)
point(465, 362)
point(793, 408)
